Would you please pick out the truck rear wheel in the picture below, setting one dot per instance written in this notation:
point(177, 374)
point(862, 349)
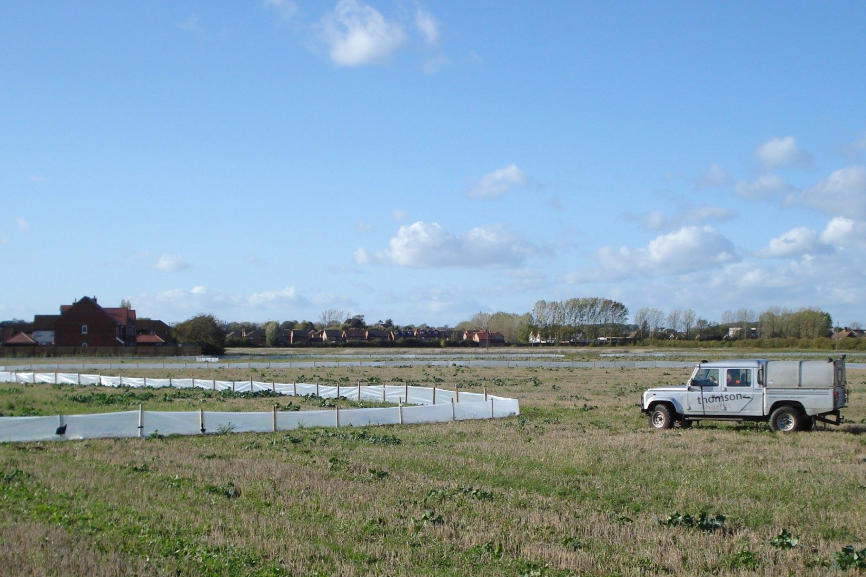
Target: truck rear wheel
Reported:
point(786, 419)
point(660, 417)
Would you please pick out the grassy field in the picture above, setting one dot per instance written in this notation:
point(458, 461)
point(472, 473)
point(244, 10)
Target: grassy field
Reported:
point(576, 485)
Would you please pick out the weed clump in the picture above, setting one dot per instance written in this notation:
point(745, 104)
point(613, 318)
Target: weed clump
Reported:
point(704, 521)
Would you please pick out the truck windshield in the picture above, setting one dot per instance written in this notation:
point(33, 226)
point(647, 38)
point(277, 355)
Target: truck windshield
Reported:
point(706, 378)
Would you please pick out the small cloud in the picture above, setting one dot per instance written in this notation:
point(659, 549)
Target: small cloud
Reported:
point(364, 227)
point(423, 245)
point(499, 182)
point(428, 26)
point(399, 215)
point(766, 186)
point(191, 24)
point(254, 260)
point(358, 34)
point(274, 299)
point(36, 178)
point(23, 225)
point(171, 263)
point(715, 176)
point(689, 249)
point(199, 290)
point(782, 152)
point(853, 150)
point(841, 193)
point(796, 242)
point(845, 233)
point(556, 204)
point(285, 9)
point(686, 215)
point(3, 240)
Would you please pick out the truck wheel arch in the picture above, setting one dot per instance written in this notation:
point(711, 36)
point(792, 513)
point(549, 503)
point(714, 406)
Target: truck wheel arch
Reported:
point(662, 415)
point(787, 417)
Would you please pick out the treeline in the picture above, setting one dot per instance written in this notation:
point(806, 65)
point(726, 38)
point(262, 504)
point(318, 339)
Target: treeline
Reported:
point(578, 319)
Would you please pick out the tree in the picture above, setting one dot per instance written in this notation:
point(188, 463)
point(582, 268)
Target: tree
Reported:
point(688, 321)
point(675, 320)
point(272, 333)
point(125, 304)
point(332, 317)
point(202, 330)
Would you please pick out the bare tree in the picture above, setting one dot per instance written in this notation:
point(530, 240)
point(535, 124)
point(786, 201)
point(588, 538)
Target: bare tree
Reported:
point(689, 322)
point(675, 320)
point(333, 317)
point(125, 304)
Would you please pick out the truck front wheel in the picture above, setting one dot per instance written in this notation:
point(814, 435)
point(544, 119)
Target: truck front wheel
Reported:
point(660, 417)
point(786, 419)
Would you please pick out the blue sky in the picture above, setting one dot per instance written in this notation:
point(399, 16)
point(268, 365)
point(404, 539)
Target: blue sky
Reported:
point(423, 161)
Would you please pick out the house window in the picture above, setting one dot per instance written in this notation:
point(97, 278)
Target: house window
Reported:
point(83, 345)
point(83, 329)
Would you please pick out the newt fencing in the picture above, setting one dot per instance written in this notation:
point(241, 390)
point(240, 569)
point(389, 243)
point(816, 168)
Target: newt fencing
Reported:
point(413, 405)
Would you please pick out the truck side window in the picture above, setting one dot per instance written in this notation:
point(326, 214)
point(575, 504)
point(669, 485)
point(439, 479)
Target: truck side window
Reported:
point(706, 378)
point(739, 378)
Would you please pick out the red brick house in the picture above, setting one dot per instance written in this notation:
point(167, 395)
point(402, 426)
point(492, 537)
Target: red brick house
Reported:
point(86, 324)
point(154, 327)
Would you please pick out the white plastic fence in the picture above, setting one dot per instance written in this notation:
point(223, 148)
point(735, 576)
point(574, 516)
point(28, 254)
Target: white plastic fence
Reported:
point(426, 405)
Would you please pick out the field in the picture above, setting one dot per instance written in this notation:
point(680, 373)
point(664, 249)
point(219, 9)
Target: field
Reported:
point(576, 485)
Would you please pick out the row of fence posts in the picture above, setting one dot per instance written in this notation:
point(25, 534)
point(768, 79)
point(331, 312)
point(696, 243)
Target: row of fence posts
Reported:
point(61, 429)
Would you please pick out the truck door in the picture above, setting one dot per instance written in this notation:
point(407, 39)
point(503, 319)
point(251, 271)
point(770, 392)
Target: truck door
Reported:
point(738, 394)
point(703, 384)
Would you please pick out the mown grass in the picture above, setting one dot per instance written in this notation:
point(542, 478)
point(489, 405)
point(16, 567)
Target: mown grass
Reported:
point(577, 484)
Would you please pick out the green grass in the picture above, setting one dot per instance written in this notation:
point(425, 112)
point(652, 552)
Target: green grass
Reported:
point(578, 484)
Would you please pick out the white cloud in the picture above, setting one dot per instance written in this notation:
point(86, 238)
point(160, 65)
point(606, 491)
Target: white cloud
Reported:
point(767, 186)
point(796, 242)
point(686, 215)
point(364, 227)
point(422, 245)
point(714, 176)
point(782, 152)
point(845, 233)
point(499, 182)
point(190, 24)
point(171, 263)
point(35, 178)
point(841, 193)
point(3, 239)
point(274, 299)
point(398, 214)
point(357, 34)
point(689, 249)
point(428, 26)
point(23, 225)
point(285, 9)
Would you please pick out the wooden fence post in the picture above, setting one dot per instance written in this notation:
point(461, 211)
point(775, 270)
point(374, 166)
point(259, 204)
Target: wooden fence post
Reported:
point(201, 421)
point(140, 420)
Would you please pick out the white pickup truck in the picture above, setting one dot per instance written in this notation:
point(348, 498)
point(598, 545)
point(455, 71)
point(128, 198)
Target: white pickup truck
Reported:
point(790, 395)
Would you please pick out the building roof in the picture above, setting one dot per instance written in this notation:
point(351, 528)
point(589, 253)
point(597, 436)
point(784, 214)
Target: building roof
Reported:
point(149, 340)
point(20, 339)
point(122, 315)
point(44, 322)
point(151, 325)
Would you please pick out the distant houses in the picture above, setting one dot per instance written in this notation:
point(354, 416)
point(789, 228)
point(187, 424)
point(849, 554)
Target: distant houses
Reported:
point(84, 324)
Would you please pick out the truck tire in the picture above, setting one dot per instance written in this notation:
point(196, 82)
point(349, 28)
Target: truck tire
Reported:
point(686, 423)
point(786, 419)
point(660, 417)
point(808, 423)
